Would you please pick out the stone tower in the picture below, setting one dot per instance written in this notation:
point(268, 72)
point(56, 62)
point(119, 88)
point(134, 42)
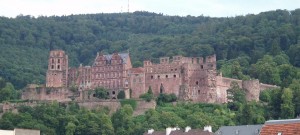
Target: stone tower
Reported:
point(57, 73)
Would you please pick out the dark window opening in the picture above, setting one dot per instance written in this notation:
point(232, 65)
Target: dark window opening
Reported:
point(151, 76)
point(52, 60)
point(201, 66)
point(52, 66)
point(114, 98)
point(94, 95)
point(161, 90)
point(171, 69)
point(197, 82)
point(107, 93)
point(174, 76)
point(58, 61)
point(198, 91)
point(198, 60)
point(167, 76)
point(158, 76)
point(58, 66)
point(113, 92)
point(175, 69)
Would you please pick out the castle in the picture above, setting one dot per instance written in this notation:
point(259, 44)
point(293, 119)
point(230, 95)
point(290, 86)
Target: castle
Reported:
point(189, 78)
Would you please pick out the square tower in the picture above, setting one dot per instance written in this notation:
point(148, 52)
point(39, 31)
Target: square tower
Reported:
point(57, 73)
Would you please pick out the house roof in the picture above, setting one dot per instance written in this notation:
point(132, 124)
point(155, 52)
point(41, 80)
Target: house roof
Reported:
point(239, 130)
point(156, 133)
point(285, 127)
point(181, 132)
point(191, 132)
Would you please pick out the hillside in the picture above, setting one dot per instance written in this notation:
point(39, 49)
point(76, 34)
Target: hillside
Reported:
point(25, 41)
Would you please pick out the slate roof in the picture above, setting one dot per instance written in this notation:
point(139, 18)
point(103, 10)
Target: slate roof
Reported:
point(285, 127)
point(239, 130)
point(181, 132)
point(124, 57)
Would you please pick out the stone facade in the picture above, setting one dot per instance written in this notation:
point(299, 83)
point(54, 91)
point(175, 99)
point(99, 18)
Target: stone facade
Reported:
point(57, 73)
point(189, 78)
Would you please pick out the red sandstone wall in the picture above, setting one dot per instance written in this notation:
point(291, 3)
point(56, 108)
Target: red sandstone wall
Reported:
point(46, 93)
point(57, 73)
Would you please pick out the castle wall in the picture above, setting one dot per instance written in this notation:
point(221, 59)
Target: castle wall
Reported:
point(252, 88)
point(137, 82)
point(267, 86)
point(46, 93)
point(164, 77)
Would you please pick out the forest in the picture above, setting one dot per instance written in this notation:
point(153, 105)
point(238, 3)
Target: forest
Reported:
point(265, 46)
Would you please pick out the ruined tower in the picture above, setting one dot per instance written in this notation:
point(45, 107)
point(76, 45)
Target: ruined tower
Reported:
point(57, 73)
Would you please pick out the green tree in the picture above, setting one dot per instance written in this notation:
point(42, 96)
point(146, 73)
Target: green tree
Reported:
point(236, 96)
point(287, 106)
point(295, 87)
point(101, 93)
point(70, 128)
point(148, 96)
point(121, 95)
point(122, 120)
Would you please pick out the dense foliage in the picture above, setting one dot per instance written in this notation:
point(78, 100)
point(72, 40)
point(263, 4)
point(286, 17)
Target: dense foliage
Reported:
point(25, 41)
point(7, 91)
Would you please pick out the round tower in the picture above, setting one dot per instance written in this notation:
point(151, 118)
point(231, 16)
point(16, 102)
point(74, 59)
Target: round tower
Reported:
point(252, 88)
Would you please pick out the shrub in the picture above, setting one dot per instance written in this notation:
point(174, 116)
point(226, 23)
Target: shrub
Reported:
point(121, 95)
point(101, 93)
point(130, 102)
point(148, 96)
point(166, 98)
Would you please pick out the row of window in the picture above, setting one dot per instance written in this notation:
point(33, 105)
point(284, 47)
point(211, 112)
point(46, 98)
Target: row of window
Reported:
point(107, 68)
point(135, 80)
point(159, 69)
point(108, 62)
point(53, 61)
point(166, 76)
point(52, 66)
point(107, 75)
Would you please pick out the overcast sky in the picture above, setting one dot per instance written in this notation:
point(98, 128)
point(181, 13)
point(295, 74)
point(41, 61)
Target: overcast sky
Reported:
point(213, 8)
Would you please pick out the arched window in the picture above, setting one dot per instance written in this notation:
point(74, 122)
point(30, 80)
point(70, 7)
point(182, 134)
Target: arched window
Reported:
point(197, 82)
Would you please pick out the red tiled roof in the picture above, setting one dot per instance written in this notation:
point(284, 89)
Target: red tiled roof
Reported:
point(137, 70)
point(284, 129)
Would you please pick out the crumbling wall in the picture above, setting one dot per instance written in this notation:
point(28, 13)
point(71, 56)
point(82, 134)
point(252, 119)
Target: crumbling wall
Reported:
point(252, 89)
point(46, 93)
point(112, 105)
point(143, 106)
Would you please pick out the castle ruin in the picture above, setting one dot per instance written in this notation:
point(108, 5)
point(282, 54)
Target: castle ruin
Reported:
point(189, 78)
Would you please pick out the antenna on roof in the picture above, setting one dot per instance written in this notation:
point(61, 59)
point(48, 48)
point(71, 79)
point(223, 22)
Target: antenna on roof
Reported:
point(128, 6)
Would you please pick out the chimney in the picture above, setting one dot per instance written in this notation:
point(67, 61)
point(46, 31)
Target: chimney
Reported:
point(207, 128)
point(150, 131)
point(187, 129)
point(168, 131)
